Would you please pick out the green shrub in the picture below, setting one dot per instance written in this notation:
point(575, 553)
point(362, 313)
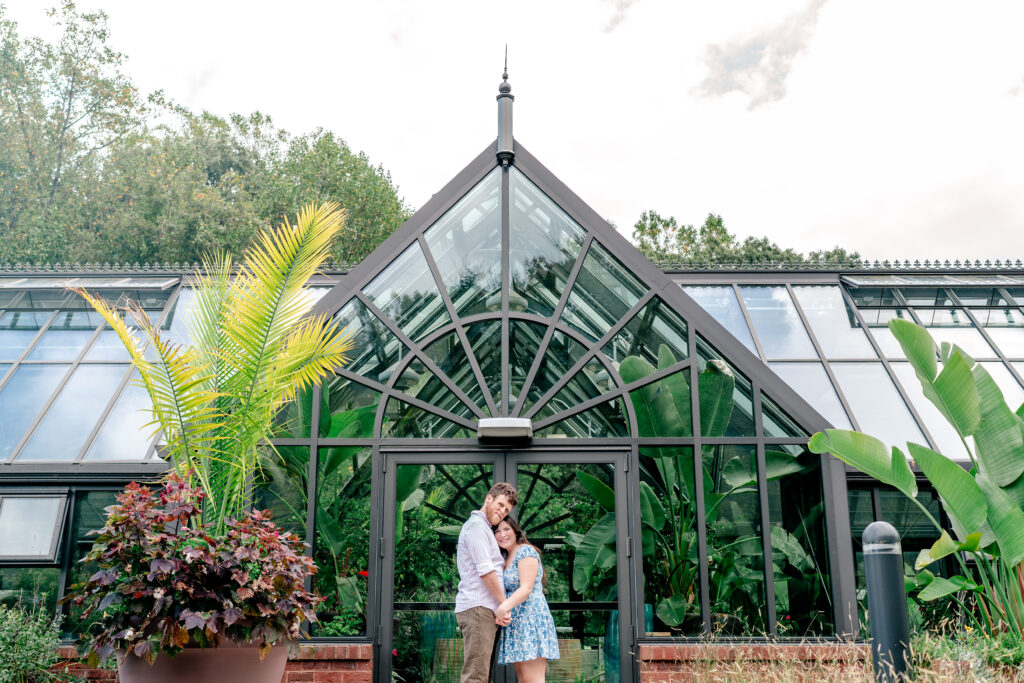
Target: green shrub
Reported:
point(28, 646)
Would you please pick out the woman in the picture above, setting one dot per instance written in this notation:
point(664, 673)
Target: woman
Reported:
point(529, 641)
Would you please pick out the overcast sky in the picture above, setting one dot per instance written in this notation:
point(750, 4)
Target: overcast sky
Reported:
point(893, 128)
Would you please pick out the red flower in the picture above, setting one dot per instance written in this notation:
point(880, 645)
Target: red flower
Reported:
point(365, 574)
point(394, 653)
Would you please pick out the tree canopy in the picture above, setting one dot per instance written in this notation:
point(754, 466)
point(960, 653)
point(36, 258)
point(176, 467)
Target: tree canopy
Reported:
point(664, 240)
point(93, 171)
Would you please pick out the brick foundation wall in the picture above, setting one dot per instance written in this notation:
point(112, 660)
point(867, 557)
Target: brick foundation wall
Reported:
point(315, 663)
point(678, 662)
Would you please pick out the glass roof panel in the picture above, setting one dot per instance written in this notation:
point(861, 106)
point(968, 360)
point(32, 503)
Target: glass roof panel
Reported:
point(1010, 340)
point(926, 296)
point(524, 345)
point(71, 418)
point(877, 321)
point(663, 408)
point(873, 296)
point(562, 353)
point(833, 322)
point(998, 317)
point(544, 243)
point(8, 297)
point(591, 381)
point(711, 385)
point(980, 296)
point(451, 357)
point(485, 342)
point(43, 300)
point(466, 245)
point(176, 323)
point(1017, 293)
point(1012, 391)
point(376, 351)
point(29, 526)
point(653, 327)
point(125, 434)
point(947, 441)
point(60, 344)
point(877, 405)
point(17, 330)
point(602, 421)
point(403, 420)
point(108, 346)
point(812, 383)
point(777, 423)
point(407, 293)
point(419, 382)
point(22, 398)
point(952, 325)
point(603, 293)
point(778, 326)
point(723, 306)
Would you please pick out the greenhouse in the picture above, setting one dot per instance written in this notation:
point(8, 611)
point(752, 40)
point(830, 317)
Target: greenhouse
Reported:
point(654, 420)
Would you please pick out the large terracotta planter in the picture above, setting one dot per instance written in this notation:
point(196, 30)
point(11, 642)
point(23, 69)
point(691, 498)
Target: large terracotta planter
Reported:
point(229, 663)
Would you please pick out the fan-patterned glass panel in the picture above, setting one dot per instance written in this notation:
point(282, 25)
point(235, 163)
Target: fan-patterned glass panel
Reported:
point(407, 293)
point(466, 245)
point(376, 351)
point(591, 381)
point(419, 382)
point(544, 243)
point(562, 353)
point(485, 343)
point(652, 333)
point(524, 340)
point(404, 421)
point(449, 355)
point(604, 420)
point(603, 293)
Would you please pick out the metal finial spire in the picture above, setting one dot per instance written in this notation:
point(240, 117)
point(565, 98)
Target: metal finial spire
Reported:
point(505, 98)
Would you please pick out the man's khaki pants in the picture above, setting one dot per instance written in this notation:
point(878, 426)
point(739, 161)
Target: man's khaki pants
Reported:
point(479, 633)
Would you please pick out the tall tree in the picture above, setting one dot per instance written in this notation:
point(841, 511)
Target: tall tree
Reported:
point(664, 239)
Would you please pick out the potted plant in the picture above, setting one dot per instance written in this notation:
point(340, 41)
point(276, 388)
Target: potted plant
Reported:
point(199, 567)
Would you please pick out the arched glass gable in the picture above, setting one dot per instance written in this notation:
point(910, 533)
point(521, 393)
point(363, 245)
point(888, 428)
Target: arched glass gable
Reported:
point(508, 302)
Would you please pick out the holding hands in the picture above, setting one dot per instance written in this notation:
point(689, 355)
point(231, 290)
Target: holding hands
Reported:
point(503, 616)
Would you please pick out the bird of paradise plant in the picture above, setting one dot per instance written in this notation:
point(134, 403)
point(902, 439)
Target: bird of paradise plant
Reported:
point(254, 347)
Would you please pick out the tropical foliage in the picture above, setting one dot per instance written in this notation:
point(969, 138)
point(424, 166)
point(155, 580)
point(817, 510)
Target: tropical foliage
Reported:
point(165, 580)
point(254, 348)
point(28, 646)
point(983, 501)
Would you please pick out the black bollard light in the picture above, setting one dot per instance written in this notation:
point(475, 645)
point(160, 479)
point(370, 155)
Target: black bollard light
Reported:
point(887, 602)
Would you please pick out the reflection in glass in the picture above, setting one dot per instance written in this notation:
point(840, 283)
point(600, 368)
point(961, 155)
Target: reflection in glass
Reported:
point(800, 563)
point(524, 340)
point(877, 405)
point(407, 293)
point(654, 330)
point(89, 514)
point(718, 379)
point(721, 303)
point(375, 349)
point(777, 323)
point(347, 410)
point(31, 588)
point(946, 439)
point(980, 296)
point(342, 540)
point(71, 418)
point(864, 297)
point(878, 322)
point(17, 330)
point(466, 245)
point(543, 245)
point(29, 526)
point(431, 504)
point(562, 353)
point(1012, 392)
point(428, 387)
point(175, 326)
point(812, 383)
point(21, 399)
point(404, 421)
point(568, 512)
point(485, 342)
point(603, 293)
point(590, 382)
point(833, 322)
point(603, 420)
point(926, 296)
point(108, 346)
point(60, 344)
point(125, 434)
point(735, 551)
point(671, 564)
point(450, 356)
point(776, 423)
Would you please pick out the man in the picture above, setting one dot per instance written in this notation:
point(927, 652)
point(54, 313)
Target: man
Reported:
point(481, 588)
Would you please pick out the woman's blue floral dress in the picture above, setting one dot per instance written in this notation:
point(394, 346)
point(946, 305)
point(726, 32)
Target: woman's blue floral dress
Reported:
point(532, 631)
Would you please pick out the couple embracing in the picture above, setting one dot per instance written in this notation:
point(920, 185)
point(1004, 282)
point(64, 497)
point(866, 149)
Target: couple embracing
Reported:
point(501, 599)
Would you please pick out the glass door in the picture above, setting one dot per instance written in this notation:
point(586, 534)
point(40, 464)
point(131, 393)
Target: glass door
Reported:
point(571, 506)
point(427, 499)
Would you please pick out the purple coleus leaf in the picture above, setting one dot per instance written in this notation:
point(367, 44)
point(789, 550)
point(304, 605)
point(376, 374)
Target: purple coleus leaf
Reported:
point(161, 565)
point(231, 615)
point(192, 619)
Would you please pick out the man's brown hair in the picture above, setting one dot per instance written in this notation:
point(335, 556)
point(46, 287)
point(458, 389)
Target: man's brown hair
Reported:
point(503, 488)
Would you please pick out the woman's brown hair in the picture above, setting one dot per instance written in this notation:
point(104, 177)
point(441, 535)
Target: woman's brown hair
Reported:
point(520, 539)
